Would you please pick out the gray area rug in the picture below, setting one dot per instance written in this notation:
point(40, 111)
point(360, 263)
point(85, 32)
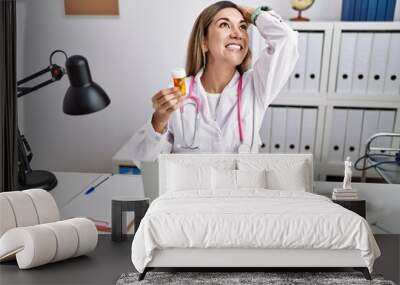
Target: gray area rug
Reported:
point(269, 278)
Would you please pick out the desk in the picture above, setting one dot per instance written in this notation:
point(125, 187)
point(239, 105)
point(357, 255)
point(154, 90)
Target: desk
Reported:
point(73, 202)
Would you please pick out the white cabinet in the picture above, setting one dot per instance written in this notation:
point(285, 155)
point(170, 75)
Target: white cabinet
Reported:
point(344, 88)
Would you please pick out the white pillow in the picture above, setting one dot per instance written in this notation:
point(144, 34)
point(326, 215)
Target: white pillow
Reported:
point(251, 178)
point(188, 177)
point(223, 179)
point(292, 179)
point(282, 174)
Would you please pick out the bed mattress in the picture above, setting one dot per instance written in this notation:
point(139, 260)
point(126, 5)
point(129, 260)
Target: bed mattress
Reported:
point(251, 219)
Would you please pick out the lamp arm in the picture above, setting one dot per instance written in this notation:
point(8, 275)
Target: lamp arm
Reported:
point(33, 76)
point(57, 72)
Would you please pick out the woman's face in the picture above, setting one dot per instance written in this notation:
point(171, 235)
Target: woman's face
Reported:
point(227, 38)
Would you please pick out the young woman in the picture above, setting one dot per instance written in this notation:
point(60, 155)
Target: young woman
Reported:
point(225, 101)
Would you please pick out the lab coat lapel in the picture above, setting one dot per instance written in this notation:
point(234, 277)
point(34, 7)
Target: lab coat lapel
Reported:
point(227, 101)
point(226, 104)
point(205, 112)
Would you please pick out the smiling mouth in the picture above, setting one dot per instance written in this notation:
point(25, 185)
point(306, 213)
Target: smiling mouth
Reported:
point(235, 47)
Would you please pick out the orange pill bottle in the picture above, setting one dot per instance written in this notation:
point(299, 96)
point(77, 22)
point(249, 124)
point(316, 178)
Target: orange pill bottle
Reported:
point(178, 76)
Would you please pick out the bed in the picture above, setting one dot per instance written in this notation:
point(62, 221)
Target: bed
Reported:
point(246, 211)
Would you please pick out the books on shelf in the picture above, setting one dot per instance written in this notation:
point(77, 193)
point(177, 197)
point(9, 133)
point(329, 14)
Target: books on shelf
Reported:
point(344, 194)
point(368, 10)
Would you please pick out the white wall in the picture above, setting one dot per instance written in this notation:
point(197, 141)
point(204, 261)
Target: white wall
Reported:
point(130, 56)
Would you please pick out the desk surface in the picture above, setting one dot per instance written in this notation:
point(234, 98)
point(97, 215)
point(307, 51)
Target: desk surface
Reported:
point(74, 200)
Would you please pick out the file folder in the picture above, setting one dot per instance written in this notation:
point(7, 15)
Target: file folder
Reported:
point(353, 134)
point(392, 78)
point(390, 8)
point(357, 9)
point(293, 130)
point(377, 69)
point(313, 61)
point(346, 59)
point(308, 130)
point(265, 131)
point(337, 137)
point(381, 10)
point(348, 7)
point(278, 130)
point(385, 125)
point(297, 79)
point(369, 128)
point(361, 63)
point(364, 10)
point(371, 12)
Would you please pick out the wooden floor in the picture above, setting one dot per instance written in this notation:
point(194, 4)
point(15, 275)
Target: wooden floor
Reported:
point(110, 260)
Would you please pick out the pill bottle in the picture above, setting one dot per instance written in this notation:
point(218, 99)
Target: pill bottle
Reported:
point(178, 76)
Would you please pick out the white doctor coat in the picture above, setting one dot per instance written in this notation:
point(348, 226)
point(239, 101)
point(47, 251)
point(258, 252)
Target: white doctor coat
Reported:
point(261, 85)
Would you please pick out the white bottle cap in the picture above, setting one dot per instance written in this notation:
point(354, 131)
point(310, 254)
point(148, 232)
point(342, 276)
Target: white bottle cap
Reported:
point(178, 73)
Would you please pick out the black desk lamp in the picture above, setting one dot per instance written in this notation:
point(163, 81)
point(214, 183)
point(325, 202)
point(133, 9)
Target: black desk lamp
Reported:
point(82, 97)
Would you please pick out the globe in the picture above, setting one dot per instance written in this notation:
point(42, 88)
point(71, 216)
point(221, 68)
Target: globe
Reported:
point(300, 6)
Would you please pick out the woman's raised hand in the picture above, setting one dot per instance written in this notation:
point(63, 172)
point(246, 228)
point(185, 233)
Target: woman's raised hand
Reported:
point(165, 102)
point(246, 11)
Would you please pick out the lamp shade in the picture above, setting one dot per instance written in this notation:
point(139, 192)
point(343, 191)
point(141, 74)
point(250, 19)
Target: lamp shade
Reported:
point(83, 96)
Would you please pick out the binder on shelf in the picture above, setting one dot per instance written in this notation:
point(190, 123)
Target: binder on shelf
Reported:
point(369, 128)
point(293, 128)
point(381, 10)
point(297, 79)
point(313, 61)
point(364, 10)
point(377, 69)
point(348, 7)
point(390, 8)
point(308, 130)
point(278, 130)
point(372, 7)
point(345, 65)
point(392, 78)
point(285, 88)
point(357, 9)
point(337, 138)
point(385, 125)
point(353, 133)
point(265, 132)
point(361, 63)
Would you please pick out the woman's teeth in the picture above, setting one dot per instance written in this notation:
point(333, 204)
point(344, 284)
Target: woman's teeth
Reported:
point(234, 47)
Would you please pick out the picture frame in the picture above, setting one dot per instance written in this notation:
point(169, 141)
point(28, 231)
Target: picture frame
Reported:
point(91, 7)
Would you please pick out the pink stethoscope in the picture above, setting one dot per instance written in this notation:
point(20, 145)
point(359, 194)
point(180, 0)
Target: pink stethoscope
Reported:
point(199, 107)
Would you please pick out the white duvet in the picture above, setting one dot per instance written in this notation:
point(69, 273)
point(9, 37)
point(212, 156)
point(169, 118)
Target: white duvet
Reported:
point(252, 218)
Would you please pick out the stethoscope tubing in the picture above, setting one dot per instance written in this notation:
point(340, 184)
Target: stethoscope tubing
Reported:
point(199, 108)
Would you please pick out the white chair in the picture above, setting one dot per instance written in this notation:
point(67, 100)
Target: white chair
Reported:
point(31, 233)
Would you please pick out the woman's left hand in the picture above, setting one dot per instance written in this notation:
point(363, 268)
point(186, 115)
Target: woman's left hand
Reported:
point(246, 11)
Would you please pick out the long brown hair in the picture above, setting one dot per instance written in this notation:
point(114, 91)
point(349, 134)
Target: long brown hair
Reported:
point(195, 58)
